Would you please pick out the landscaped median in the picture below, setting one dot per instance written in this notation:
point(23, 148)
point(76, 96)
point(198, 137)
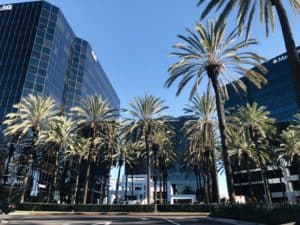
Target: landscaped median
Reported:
point(259, 213)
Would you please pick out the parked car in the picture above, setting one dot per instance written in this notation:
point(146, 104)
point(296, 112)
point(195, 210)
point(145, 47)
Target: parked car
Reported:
point(6, 207)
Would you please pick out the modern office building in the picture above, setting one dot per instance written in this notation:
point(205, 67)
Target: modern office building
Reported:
point(279, 95)
point(40, 54)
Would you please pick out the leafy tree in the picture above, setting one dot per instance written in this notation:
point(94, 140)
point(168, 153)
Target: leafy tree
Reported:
point(91, 116)
point(208, 55)
point(33, 114)
point(247, 10)
point(144, 114)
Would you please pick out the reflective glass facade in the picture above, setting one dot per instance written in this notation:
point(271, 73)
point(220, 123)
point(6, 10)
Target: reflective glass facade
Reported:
point(85, 77)
point(278, 95)
point(40, 54)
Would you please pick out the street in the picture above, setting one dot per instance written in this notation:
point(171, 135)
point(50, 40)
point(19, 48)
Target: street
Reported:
point(104, 220)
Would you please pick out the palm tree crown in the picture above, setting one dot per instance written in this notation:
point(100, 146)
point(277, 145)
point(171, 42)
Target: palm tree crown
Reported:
point(246, 11)
point(207, 52)
point(33, 112)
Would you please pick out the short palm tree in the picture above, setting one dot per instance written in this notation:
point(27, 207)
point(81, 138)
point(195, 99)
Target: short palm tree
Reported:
point(163, 151)
point(202, 111)
point(246, 11)
point(144, 113)
point(290, 144)
point(208, 55)
point(60, 134)
point(91, 116)
point(80, 152)
point(254, 121)
point(242, 150)
point(33, 114)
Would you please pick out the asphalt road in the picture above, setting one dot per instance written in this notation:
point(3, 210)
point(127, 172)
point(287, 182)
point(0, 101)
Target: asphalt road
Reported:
point(104, 220)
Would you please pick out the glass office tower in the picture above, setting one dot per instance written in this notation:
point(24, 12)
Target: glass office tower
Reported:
point(40, 54)
point(279, 95)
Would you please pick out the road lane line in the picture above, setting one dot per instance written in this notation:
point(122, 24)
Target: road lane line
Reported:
point(170, 221)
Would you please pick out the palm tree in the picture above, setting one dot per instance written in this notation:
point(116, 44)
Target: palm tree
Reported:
point(206, 54)
point(91, 116)
point(80, 152)
point(163, 149)
point(110, 144)
point(125, 154)
point(254, 120)
point(144, 114)
point(242, 149)
point(246, 11)
point(289, 149)
point(61, 133)
point(33, 114)
point(202, 110)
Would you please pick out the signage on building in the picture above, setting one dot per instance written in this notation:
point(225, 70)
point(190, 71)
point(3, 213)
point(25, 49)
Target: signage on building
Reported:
point(6, 7)
point(282, 58)
point(94, 56)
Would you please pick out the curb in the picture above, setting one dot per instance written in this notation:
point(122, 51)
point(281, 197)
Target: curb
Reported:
point(231, 221)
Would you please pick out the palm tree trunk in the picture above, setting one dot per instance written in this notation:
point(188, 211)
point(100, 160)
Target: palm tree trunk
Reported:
point(148, 166)
point(55, 185)
point(289, 44)
point(215, 183)
point(155, 176)
point(280, 181)
point(262, 168)
point(118, 181)
point(74, 197)
point(240, 182)
point(249, 181)
point(126, 186)
point(160, 188)
point(223, 132)
point(31, 161)
point(87, 180)
point(132, 185)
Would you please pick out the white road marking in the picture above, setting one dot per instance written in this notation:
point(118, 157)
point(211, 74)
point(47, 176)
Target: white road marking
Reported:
point(172, 222)
point(144, 219)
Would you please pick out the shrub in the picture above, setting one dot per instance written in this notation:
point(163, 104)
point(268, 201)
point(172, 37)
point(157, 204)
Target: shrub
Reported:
point(185, 208)
point(276, 214)
point(84, 208)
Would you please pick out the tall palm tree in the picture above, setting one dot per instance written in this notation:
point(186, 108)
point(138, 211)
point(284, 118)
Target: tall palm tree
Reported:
point(110, 144)
point(254, 120)
point(144, 113)
point(93, 113)
point(246, 11)
point(202, 111)
point(208, 55)
point(60, 134)
point(33, 114)
point(163, 150)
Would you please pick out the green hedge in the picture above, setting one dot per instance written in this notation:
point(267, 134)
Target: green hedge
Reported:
point(277, 214)
point(113, 208)
point(185, 208)
point(84, 208)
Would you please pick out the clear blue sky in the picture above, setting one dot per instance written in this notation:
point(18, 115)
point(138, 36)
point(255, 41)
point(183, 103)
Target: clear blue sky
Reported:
point(132, 40)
